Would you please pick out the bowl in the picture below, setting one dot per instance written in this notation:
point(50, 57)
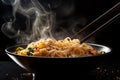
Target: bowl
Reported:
point(52, 66)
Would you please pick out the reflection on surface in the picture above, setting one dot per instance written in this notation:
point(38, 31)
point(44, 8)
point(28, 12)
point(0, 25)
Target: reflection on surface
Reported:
point(98, 74)
point(109, 70)
point(21, 76)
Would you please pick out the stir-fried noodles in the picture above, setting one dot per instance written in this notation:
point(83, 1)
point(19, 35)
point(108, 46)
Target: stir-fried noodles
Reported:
point(57, 48)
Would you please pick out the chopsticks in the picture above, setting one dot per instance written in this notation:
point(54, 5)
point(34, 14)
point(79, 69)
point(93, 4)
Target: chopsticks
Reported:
point(101, 27)
point(114, 12)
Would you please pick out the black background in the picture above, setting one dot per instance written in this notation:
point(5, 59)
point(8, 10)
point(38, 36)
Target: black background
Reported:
point(90, 9)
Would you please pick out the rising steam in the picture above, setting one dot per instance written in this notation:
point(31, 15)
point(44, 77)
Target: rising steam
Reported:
point(31, 21)
point(38, 23)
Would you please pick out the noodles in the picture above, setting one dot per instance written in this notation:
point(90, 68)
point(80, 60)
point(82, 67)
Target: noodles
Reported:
point(61, 48)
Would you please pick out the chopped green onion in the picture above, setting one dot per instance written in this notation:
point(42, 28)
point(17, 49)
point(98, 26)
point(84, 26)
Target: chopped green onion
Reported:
point(28, 53)
point(19, 48)
point(31, 49)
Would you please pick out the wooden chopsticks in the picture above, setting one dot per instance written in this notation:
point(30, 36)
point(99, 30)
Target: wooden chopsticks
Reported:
point(113, 12)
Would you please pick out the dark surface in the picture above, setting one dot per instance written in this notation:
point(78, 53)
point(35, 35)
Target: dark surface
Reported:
point(107, 71)
point(11, 71)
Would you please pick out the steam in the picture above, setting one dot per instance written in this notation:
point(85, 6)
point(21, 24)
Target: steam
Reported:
point(31, 21)
point(8, 2)
point(38, 22)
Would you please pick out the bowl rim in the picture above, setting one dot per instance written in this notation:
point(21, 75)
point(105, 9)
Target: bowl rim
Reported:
point(92, 44)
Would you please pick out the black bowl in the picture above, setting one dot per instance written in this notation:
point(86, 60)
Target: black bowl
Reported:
point(51, 66)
